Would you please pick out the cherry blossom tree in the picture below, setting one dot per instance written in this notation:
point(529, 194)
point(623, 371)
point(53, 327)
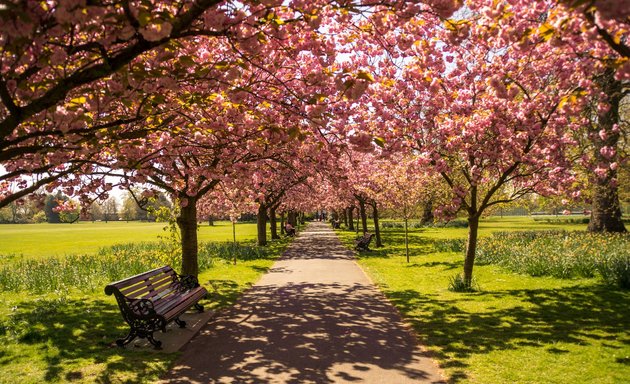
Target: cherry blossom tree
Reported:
point(473, 106)
point(404, 187)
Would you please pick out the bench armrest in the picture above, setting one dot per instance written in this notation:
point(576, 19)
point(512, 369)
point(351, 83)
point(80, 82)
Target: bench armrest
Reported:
point(142, 307)
point(187, 282)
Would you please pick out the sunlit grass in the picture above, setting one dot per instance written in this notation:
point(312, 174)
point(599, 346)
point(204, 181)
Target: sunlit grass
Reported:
point(518, 328)
point(45, 240)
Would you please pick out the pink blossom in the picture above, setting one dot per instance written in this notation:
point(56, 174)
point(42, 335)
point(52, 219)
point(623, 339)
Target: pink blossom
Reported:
point(601, 172)
point(608, 152)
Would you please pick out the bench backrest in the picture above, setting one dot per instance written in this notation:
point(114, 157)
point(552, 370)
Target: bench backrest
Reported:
point(148, 285)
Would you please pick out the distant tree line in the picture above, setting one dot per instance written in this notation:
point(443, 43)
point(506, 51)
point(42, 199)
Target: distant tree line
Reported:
point(43, 209)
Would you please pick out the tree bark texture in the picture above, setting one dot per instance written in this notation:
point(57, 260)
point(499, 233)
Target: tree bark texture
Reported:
point(261, 225)
point(187, 223)
point(471, 249)
point(605, 210)
point(427, 213)
point(273, 223)
point(350, 218)
point(377, 230)
point(292, 218)
point(363, 215)
point(407, 239)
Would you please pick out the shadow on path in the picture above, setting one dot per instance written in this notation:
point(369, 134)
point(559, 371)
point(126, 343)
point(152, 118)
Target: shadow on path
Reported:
point(314, 318)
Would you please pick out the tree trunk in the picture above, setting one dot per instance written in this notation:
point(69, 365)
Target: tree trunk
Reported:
point(273, 223)
point(187, 223)
point(350, 218)
point(210, 221)
point(406, 239)
point(377, 230)
point(292, 218)
point(606, 212)
point(234, 240)
point(427, 213)
point(471, 249)
point(344, 217)
point(363, 215)
point(282, 223)
point(261, 224)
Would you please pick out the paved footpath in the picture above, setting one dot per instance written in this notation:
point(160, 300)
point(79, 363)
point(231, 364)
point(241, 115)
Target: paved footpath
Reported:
point(314, 318)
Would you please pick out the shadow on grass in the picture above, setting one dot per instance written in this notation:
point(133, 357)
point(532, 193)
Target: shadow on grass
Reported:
point(571, 315)
point(223, 293)
point(446, 265)
point(63, 336)
point(63, 332)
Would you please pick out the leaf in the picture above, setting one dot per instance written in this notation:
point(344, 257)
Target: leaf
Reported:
point(261, 38)
point(278, 21)
point(144, 17)
point(77, 101)
point(546, 31)
point(187, 60)
point(220, 65)
point(365, 76)
point(294, 132)
point(379, 141)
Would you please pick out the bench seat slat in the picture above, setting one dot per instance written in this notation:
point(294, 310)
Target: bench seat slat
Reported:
point(183, 305)
point(175, 298)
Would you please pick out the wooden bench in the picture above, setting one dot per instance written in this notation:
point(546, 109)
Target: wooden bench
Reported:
point(363, 242)
point(336, 224)
point(151, 300)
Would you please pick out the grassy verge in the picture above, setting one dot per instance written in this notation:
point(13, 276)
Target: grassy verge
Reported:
point(66, 335)
point(518, 329)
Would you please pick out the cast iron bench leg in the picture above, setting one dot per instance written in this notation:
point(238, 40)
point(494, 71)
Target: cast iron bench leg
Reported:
point(128, 339)
point(181, 323)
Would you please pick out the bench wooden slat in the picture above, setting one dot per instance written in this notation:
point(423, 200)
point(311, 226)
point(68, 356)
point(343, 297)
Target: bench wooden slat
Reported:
point(139, 277)
point(187, 303)
point(149, 286)
point(148, 281)
point(180, 304)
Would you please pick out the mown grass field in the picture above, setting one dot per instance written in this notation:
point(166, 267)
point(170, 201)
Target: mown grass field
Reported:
point(67, 335)
point(517, 328)
point(45, 240)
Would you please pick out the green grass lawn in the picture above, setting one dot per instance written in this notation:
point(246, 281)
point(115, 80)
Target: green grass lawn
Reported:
point(495, 223)
point(67, 335)
point(45, 240)
point(517, 329)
